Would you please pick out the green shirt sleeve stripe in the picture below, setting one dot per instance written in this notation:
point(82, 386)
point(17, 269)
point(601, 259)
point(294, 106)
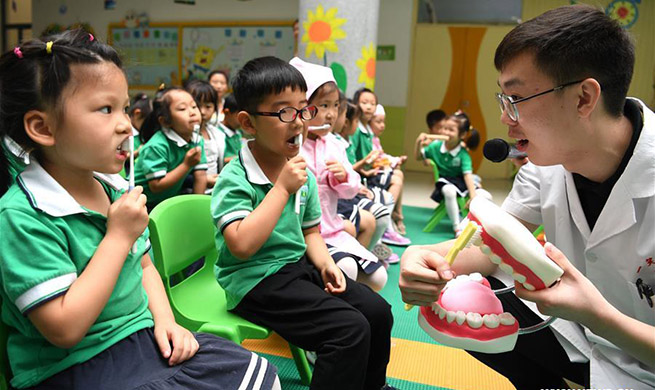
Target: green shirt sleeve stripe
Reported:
point(200, 167)
point(231, 217)
point(44, 290)
point(312, 223)
point(155, 175)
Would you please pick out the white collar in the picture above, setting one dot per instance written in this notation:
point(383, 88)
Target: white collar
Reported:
point(173, 136)
point(214, 132)
point(363, 129)
point(229, 132)
point(46, 194)
point(452, 152)
point(254, 173)
point(639, 174)
point(17, 150)
point(135, 132)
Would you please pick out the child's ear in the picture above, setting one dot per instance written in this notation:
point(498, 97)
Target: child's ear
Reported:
point(246, 122)
point(162, 121)
point(136, 113)
point(38, 127)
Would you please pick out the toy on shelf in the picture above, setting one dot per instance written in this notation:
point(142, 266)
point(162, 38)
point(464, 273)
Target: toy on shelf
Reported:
point(511, 245)
point(469, 316)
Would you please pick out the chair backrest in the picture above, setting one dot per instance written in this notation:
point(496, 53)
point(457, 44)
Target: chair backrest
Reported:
point(182, 232)
point(435, 170)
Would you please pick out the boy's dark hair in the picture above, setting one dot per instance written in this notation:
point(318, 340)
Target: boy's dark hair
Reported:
point(262, 77)
point(140, 101)
point(161, 107)
point(218, 71)
point(203, 92)
point(230, 103)
point(435, 116)
point(33, 78)
point(572, 43)
point(359, 93)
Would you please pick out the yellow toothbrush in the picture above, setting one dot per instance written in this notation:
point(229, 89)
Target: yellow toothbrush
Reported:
point(470, 235)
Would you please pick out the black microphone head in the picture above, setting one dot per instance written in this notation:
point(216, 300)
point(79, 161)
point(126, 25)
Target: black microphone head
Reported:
point(496, 150)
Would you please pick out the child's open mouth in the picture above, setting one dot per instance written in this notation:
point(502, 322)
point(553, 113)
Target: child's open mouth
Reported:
point(522, 144)
point(123, 149)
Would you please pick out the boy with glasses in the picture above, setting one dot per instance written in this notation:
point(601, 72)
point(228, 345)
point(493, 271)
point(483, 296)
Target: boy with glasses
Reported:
point(273, 263)
point(564, 78)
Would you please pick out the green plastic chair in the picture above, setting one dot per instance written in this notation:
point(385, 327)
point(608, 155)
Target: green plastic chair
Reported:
point(182, 232)
point(440, 211)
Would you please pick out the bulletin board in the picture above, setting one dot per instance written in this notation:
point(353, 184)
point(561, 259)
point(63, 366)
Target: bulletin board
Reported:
point(150, 54)
point(173, 52)
point(229, 47)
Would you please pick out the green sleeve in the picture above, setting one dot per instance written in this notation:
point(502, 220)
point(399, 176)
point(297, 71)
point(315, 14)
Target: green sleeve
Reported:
point(233, 196)
point(34, 262)
point(202, 165)
point(312, 213)
point(152, 163)
point(467, 164)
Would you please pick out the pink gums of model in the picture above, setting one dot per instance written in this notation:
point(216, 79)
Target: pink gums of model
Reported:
point(511, 245)
point(468, 316)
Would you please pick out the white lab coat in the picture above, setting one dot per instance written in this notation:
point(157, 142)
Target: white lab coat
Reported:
point(610, 256)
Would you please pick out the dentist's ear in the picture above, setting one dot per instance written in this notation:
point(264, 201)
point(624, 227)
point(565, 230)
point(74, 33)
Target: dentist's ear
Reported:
point(589, 92)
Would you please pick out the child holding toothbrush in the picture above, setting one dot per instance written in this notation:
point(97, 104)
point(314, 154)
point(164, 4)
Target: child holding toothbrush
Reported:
point(82, 311)
point(173, 148)
point(335, 177)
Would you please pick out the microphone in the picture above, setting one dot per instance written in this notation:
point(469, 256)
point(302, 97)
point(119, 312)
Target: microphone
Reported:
point(498, 150)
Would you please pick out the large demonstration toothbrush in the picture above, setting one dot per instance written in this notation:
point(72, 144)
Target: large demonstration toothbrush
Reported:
point(471, 235)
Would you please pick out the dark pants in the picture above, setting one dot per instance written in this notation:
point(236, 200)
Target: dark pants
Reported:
point(538, 361)
point(351, 332)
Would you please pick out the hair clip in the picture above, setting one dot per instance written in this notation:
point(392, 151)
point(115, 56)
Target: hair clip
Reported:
point(162, 86)
point(17, 52)
point(91, 37)
point(48, 47)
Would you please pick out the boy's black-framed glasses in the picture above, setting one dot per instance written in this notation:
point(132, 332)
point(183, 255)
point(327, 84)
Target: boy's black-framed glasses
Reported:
point(289, 114)
point(508, 103)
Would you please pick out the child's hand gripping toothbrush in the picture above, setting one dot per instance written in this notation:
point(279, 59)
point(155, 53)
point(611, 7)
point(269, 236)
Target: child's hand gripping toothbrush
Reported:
point(130, 148)
point(470, 235)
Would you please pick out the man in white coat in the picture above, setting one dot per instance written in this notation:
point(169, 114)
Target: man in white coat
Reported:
point(564, 78)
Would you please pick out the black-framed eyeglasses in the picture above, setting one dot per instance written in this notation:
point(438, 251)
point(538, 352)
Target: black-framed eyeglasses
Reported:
point(289, 114)
point(508, 103)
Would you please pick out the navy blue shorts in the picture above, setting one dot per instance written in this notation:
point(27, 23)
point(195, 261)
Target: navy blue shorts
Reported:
point(457, 181)
point(135, 363)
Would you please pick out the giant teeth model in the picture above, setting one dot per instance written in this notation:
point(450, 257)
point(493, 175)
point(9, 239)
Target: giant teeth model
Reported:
point(511, 245)
point(469, 316)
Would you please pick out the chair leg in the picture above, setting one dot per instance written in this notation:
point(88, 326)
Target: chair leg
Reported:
point(437, 216)
point(304, 370)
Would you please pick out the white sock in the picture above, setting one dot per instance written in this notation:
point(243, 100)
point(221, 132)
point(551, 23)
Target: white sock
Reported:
point(381, 225)
point(452, 208)
point(376, 280)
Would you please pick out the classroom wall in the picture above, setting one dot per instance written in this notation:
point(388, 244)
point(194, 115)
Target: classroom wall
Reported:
point(441, 75)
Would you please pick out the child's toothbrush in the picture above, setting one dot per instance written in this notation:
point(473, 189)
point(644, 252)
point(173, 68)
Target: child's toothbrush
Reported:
point(472, 234)
point(196, 135)
point(131, 183)
point(321, 127)
point(297, 205)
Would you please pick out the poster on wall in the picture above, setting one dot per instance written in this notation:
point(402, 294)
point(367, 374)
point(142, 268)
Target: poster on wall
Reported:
point(150, 54)
point(228, 48)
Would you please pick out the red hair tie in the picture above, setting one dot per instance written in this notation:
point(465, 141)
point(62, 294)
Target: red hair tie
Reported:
point(17, 52)
point(91, 38)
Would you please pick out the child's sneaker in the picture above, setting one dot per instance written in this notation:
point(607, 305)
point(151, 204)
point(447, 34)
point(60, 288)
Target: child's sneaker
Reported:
point(391, 237)
point(381, 251)
point(393, 259)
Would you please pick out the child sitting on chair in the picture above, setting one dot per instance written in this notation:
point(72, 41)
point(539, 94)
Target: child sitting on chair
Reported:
point(273, 262)
point(455, 170)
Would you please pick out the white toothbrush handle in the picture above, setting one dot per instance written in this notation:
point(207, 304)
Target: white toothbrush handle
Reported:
point(297, 204)
point(131, 185)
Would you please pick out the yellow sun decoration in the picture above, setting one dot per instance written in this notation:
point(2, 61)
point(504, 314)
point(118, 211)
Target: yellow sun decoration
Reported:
point(321, 31)
point(366, 63)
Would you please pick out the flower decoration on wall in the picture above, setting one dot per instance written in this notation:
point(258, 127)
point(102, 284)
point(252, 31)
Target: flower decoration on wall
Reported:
point(322, 29)
point(624, 11)
point(366, 63)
